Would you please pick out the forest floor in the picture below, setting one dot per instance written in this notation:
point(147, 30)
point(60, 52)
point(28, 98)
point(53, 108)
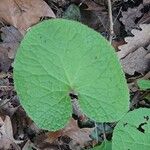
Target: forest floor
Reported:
point(130, 37)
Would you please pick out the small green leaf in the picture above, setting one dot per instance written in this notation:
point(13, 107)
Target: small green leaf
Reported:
point(59, 56)
point(144, 84)
point(133, 131)
point(72, 13)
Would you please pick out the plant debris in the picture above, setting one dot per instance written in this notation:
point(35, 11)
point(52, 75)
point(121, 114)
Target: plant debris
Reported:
point(22, 14)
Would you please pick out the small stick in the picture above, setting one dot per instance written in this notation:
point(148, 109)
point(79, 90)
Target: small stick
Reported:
point(111, 21)
point(147, 76)
point(96, 131)
point(104, 132)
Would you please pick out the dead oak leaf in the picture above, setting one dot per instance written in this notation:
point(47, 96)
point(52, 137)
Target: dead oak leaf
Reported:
point(6, 135)
point(145, 19)
point(5, 62)
point(11, 39)
point(10, 34)
point(146, 2)
point(93, 6)
point(129, 17)
point(79, 135)
point(24, 13)
point(136, 61)
point(148, 55)
point(141, 38)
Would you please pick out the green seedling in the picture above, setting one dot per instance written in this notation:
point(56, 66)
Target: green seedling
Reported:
point(143, 84)
point(58, 57)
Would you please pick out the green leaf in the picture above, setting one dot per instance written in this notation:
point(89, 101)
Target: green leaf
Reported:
point(59, 56)
point(144, 84)
point(72, 13)
point(133, 131)
point(106, 145)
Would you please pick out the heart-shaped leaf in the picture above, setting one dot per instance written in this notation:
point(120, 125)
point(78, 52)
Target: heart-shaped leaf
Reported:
point(133, 131)
point(58, 57)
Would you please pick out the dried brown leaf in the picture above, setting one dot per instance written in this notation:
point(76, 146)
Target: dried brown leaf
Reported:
point(145, 19)
point(11, 39)
point(92, 5)
point(24, 13)
point(129, 17)
point(5, 62)
point(95, 19)
point(80, 136)
point(52, 136)
point(136, 61)
point(148, 47)
point(140, 39)
point(146, 1)
point(6, 135)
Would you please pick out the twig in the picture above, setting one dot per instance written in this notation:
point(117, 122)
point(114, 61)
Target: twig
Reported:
point(96, 131)
point(120, 10)
point(147, 76)
point(2, 23)
point(81, 3)
point(111, 21)
point(104, 135)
